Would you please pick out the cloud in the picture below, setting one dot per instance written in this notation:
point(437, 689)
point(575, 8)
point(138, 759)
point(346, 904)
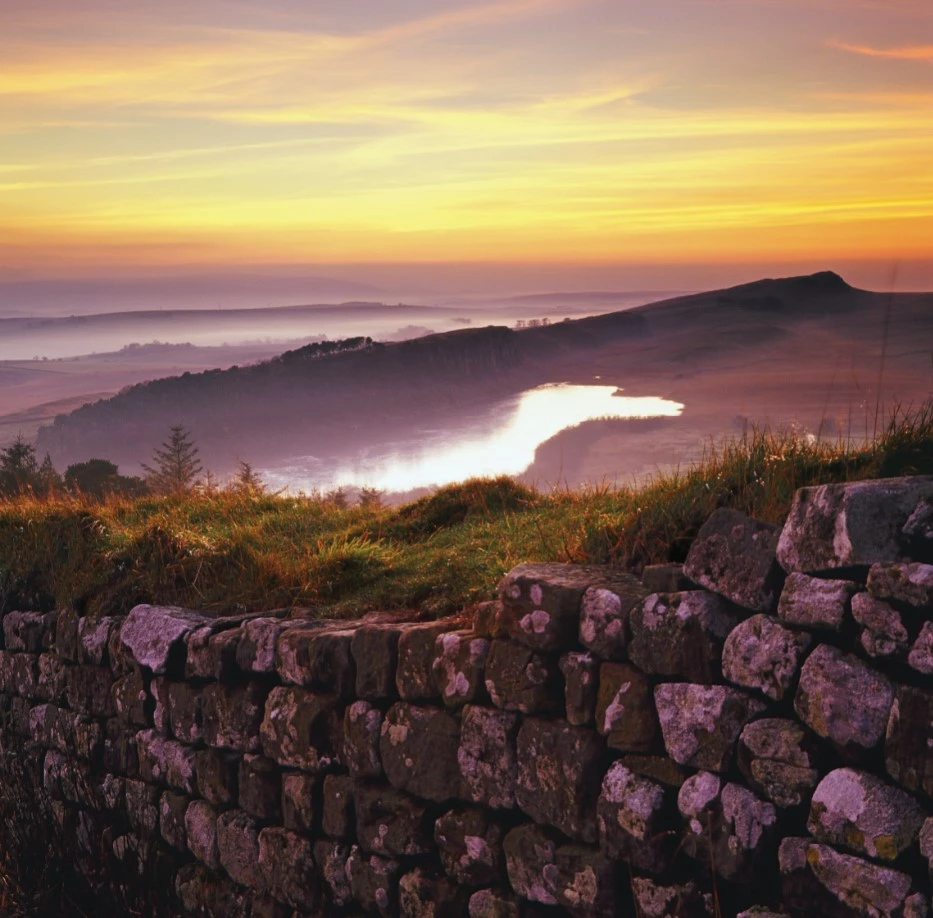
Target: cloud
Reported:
point(905, 53)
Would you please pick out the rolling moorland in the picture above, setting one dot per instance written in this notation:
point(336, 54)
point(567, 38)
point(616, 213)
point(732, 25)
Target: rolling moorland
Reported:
point(809, 353)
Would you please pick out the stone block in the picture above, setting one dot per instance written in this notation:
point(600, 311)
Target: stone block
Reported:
point(391, 823)
point(625, 712)
point(559, 772)
point(493, 903)
point(604, 617)
point(856, 524)
point(316, 655)
point(581, 686)
point(762, 654)
point(362, 728)
point(665, 578)
point(184, 711)
point(374, 881)
point(701, 723)
point(66, 635)
point(531, 862)
point(94, 634)
point(131, 700)
point(260, 788)
point(29, 632)
point(238, 847)
point(460, 668)
point(681, 635)
point(51, 679)
point(142, 808)
point(119, 749)
point(286, 862)
point(657, 768)
point(779, 759)
point(337, 817)
point(541, 602)
point(910, 583)
point(488, 756)
point(201, 829)
point(212, 652)
point(88, 690)
point(815, 603)
point(635, 820)
point(172, 809)
point(585, 882)
point(829, 680)
point(414, 675)
point(375, 653)
point(331, 859)
point(232, 715)
point(920, 656)
point(418, 748)
point(164, 761)
point(255, 651)
point(518, 679)
point(883, 632)
point(909, 740)
point(487, 620)
point(469, 842)
point(671, 900)
point(299, 801)
point(302, 729)
point(155, 636)
point(216, 771)
point(19, 673)
point(423, 893)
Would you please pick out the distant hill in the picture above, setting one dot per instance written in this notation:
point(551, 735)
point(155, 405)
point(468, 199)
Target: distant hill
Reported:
point(723, 353)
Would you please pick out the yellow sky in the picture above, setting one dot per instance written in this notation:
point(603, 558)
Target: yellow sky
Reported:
point(700, 131)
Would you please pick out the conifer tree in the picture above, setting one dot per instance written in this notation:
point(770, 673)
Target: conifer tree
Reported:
point(176, 465)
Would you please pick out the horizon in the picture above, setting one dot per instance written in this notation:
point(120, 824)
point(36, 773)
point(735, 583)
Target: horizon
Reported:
point(467, 148)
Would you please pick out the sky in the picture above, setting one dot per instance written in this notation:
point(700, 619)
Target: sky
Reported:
point(586, 143)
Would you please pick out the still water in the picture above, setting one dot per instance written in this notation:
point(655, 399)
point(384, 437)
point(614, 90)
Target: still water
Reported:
point(500, 441)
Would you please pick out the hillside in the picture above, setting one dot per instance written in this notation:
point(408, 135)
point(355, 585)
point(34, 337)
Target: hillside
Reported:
point(805, 350)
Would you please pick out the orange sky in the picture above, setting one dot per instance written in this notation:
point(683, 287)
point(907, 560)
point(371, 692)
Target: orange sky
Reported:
point(758, 133)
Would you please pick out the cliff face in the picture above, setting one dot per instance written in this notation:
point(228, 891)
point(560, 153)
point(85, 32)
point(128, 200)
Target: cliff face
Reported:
point(747, 734)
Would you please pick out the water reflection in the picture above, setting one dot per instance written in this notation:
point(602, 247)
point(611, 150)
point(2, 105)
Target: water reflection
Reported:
point(501, 442)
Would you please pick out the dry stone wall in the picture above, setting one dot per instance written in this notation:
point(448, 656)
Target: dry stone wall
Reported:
point(750, 733)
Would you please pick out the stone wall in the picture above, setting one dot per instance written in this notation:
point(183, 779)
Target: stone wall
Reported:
point(749, 733)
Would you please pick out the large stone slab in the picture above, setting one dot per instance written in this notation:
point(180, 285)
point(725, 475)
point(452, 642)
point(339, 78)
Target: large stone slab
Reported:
point(829, 681)
point(733, 555)
point(559, 772)
point(155, 635)
point(762, 654)
point(849, 525)
point(681, 635)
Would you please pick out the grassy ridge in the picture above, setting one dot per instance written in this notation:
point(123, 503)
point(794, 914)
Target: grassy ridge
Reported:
point(230, 552)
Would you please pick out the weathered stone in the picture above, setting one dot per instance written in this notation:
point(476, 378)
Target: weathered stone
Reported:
point(581, 686)
point(829, 680)
point(811, 602)
point(50, 684)
point(260, 788)
point(459, 667)
point(487, 756)
point(849, 525)
point(817, 880)
point(604, 617)
point(50, 725)
point(29, 632)
point(130, 699)
point(362, 727)
point(909, 740)
point(201, 892)
point(910, 583)
point(418, 748)
point(919, 525)
point(634, 820)
point(212, 651)
point(391, 823)
point(94, 636)
point(232, 714)
point(726, 826)
point(492, 903)
point(373, 881)
point(919, 658)
point(88, 690)
point(423, 894)
point(315, 655)
point(286, 863)
point(375, 653)
point(665, 578)
point(66, 635)
point(518, 679)
point(216, 772)
point(657, 768)
point(531, 862)
point(585, 882)
point(337, 818)
point(883, 632)
point(559, 769)
point(164, 761)
point(487, 619)
point(733, 555)
point(142, 807)
point(162, 710)
point(926, 844)
point(625, 713)
point(331, 859)
point(414, 675)
point(855, 810)
point(238, 847)
point(681, 635)
point(255, 651)
point(19, 674)
point(683, 900)
point(119, 749)
point(155, 635)
point(184, 711)
point(779, 760)
point(299, 810)
point(541, 602)
point(701, 723)
point(469, 841)
point(762, 654)
point(172, 809)
point(302, 729)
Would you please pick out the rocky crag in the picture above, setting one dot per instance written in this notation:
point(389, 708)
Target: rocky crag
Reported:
point(751, 733)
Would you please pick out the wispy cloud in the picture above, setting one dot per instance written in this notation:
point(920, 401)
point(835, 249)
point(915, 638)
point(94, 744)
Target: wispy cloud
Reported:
point(904, 53)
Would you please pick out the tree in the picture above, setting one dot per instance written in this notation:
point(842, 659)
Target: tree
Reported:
point(19, 471)
point(176, 465)
point(247, 480)
point(100, 478)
